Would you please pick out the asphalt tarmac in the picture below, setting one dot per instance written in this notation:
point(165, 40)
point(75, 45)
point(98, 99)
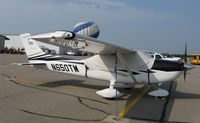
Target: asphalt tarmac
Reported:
point(33, 95)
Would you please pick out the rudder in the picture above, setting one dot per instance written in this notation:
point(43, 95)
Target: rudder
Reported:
point(31, 48)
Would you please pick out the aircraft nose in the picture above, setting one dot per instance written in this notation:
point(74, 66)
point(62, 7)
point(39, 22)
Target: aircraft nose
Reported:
point(166, 65)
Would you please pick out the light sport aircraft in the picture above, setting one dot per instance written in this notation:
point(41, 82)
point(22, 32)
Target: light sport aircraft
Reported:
point(122, 67)
point(159, 56)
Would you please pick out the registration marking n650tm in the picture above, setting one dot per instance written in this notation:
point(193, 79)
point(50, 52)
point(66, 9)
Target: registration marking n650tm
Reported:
point(65, 67)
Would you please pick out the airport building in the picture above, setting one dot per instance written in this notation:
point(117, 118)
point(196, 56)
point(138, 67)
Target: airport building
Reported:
point(2, 42)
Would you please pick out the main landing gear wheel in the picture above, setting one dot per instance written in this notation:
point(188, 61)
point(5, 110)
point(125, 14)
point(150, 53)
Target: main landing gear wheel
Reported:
point(159, 93)
point(109, 93)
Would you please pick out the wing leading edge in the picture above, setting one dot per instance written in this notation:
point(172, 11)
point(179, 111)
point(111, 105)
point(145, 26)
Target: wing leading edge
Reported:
point(134, 59)
point(78, 42)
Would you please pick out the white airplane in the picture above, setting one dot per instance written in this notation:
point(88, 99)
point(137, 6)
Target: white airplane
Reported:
point(120, 66)
point(159, 56)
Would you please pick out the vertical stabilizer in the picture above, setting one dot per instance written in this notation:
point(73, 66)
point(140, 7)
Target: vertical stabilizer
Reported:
point(31, 48)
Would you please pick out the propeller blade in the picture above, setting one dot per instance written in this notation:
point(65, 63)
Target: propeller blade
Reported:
point(185, 62)
point(185, 72)
point(148, 74)
point(185, 55)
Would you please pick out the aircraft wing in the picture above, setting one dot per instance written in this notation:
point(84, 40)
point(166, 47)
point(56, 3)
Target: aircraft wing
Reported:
point(134, 59)
point(78, 42)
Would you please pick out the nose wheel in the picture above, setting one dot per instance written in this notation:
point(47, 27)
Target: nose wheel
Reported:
point(159, 92)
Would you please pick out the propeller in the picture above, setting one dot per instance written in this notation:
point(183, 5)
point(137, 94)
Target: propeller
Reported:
point(148, 74)
point(115, 70)
point(185, 62)
point(187, 66)
point(116, 93)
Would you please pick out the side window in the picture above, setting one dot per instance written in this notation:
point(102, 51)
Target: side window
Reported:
point(152, 56)
point(158, 57)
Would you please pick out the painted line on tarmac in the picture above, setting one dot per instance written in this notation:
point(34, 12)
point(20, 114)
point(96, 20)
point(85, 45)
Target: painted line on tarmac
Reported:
point(133, 102)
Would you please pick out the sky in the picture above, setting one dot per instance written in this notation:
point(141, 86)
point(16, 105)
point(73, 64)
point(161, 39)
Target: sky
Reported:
point(153, 25)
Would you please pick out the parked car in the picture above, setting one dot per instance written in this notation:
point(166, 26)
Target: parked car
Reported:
point(70, 52)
